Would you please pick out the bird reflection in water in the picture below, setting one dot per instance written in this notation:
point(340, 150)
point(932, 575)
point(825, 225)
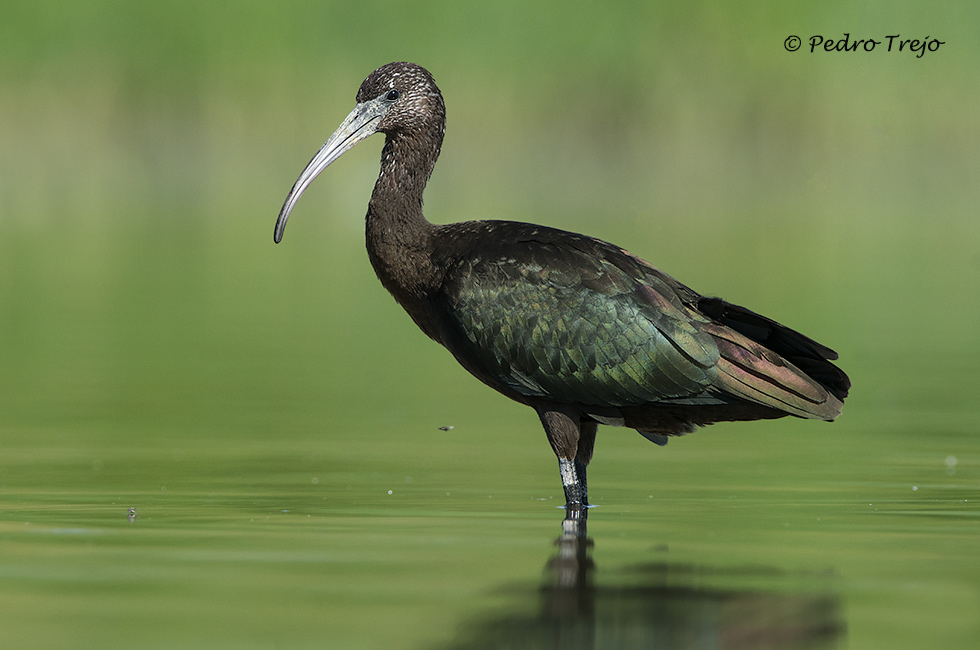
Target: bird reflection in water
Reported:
point(659, 605)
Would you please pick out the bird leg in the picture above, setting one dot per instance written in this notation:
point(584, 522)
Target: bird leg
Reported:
point(576, 490)
point(573, 441)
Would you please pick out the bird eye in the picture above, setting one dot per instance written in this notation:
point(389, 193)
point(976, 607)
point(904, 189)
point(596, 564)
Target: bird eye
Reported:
point(392, 95)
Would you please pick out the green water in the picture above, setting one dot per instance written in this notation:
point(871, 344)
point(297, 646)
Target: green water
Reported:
point(278, 437)
point(208, 441)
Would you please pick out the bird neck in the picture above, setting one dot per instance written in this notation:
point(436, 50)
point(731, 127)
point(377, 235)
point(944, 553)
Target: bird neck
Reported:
point(399, 238)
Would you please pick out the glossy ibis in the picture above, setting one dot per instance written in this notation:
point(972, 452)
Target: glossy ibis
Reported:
point(580, 330)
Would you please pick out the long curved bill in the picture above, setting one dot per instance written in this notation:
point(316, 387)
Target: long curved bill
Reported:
point(362, 122)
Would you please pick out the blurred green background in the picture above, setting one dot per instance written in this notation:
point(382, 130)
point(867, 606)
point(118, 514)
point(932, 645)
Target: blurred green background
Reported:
point(158, 351)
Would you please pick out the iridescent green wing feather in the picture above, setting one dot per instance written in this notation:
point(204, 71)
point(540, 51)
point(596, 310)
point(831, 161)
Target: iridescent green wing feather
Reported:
point(581, 322)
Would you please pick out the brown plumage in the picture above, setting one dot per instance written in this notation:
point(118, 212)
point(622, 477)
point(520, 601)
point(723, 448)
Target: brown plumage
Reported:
point(577, 328)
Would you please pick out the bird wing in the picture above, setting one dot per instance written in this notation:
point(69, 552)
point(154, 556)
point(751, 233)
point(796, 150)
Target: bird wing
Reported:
point(565, 317)
point(579, 321)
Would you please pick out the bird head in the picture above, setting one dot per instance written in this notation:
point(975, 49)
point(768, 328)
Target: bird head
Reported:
point(400, 100)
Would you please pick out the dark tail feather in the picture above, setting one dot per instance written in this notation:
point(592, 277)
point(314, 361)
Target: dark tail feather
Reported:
point(810, 357)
